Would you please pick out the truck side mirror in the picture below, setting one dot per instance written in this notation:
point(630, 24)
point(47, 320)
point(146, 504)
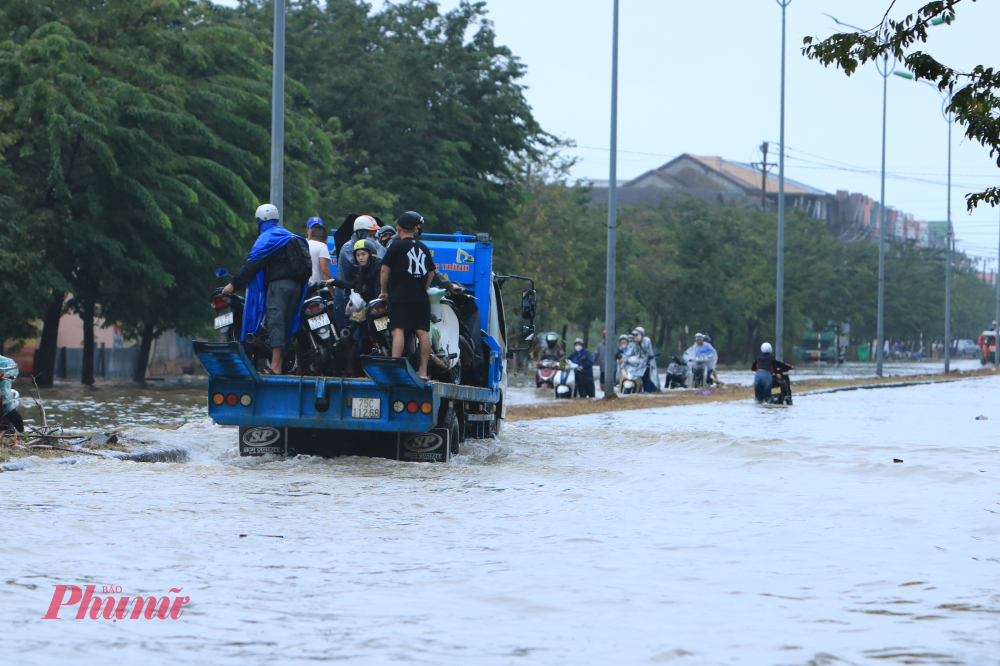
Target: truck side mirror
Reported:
point(527, 332)
point(528, 306)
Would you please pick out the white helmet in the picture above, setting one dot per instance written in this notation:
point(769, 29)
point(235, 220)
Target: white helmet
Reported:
point(765, 348)
point(266, 212)
point(366, 222)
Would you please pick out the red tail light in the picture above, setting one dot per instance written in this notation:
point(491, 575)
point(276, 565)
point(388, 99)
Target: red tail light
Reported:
point(219, 302)
point(314, 308)
point(380, 309)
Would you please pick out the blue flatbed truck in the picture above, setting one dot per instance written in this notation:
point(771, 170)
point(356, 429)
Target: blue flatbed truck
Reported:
point(391, 413)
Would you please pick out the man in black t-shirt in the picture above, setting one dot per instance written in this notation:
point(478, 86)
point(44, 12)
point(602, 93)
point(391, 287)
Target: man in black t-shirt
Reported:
point(407, 271)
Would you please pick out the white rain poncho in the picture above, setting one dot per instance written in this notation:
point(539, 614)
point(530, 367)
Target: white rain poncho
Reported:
point(647, 350)
point(703, 352)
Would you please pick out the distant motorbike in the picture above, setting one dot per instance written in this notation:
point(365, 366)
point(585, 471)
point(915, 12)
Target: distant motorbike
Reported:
point(781, 389)
point(631, 375)
point(677, 373)
point(545, 374)
point(699, 372)
point(565, 380)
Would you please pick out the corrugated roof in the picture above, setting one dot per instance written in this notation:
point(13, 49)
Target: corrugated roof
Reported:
point(746, 177)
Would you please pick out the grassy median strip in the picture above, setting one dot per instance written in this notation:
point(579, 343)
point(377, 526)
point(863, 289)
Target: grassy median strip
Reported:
point(726, 393)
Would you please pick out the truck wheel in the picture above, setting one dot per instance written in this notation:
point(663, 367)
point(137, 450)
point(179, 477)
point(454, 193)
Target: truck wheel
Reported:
point(451, 422)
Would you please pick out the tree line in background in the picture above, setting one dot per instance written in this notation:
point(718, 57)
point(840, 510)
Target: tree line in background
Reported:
point(692, 265)
point(135, 144)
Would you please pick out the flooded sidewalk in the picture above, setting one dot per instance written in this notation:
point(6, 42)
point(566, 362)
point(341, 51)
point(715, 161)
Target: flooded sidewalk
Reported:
point(723, 533)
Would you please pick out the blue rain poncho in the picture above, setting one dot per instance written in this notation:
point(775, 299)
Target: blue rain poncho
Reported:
point(8, 366)
point(272, 238)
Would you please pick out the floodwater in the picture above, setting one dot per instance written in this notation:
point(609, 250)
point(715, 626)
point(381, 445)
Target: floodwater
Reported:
point(724, 533)
point(80, 409)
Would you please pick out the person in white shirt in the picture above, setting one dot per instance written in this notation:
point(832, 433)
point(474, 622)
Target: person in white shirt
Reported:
point(318, 250)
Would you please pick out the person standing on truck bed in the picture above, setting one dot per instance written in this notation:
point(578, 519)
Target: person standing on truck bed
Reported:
point(276, 274)
point(320, 253)
point(407, 273)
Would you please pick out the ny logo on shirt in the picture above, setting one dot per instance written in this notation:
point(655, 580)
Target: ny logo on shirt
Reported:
point(417, 264)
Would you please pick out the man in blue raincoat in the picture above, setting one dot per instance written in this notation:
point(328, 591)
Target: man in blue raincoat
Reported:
point(276, 275)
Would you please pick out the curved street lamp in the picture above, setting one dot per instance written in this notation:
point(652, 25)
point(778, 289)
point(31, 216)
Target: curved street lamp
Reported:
point(950, 234)
point(884, 71)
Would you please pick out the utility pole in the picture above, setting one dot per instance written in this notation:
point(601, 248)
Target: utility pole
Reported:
point(278, 112)
point(608, 362)
point(765, 166)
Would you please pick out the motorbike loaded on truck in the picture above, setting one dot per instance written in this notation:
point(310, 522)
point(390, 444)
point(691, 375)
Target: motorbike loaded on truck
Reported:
point(389, 412)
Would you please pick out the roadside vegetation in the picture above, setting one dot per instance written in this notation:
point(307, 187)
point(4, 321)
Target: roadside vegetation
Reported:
point(135, 145)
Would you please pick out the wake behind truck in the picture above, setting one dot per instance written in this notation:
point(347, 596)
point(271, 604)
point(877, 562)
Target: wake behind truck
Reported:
point(391, 412)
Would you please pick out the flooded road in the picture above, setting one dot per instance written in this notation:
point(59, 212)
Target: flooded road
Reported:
point(722, 533)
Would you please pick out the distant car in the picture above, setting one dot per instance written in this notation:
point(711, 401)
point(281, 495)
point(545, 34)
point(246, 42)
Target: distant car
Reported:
point(966, 349)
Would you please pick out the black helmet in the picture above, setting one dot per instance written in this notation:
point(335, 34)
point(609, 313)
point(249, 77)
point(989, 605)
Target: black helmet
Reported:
point(409, 220)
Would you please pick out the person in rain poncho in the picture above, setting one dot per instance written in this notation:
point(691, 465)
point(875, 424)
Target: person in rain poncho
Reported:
point(8, 373)
point(624, 343)
point(637, 357)
point(650, 378)
point(275, 274)
point(702, 351)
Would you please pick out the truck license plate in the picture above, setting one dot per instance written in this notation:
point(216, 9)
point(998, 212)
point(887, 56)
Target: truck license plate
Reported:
point(381, 323)
point(366, 408)
point(224, 320)
point(319, 322)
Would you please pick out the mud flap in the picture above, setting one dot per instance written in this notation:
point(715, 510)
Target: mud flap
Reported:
point(263, 440)
point(431, 446)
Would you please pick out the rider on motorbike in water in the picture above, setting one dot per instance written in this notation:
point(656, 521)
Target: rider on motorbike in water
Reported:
point(551, 351)
point(702, 352)
point(765, 367)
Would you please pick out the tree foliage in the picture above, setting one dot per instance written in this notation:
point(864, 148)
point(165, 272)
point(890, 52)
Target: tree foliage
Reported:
point(974, 94)
point(695, 266)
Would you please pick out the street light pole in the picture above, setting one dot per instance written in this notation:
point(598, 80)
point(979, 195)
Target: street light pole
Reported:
point(947, 264)
point(948, 118)
point(996, 329)
point(611, 344)
point(885, 71)
point(278, 112)
point(779, 305)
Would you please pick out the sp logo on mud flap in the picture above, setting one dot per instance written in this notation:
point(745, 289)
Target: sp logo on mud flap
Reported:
point(261, 436)
point(425, 441)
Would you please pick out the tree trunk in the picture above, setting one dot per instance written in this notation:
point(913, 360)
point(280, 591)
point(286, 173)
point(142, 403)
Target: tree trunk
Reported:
point(586, 335)
point(753, 328)
point(563, 338)
point(652, 334)
point(87, 315)
point(45, 355)
point(729, 345)
point(664, 334)
point(145, 345)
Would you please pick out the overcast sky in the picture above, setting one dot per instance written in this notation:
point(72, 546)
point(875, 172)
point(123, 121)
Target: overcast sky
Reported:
point(704, 78)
